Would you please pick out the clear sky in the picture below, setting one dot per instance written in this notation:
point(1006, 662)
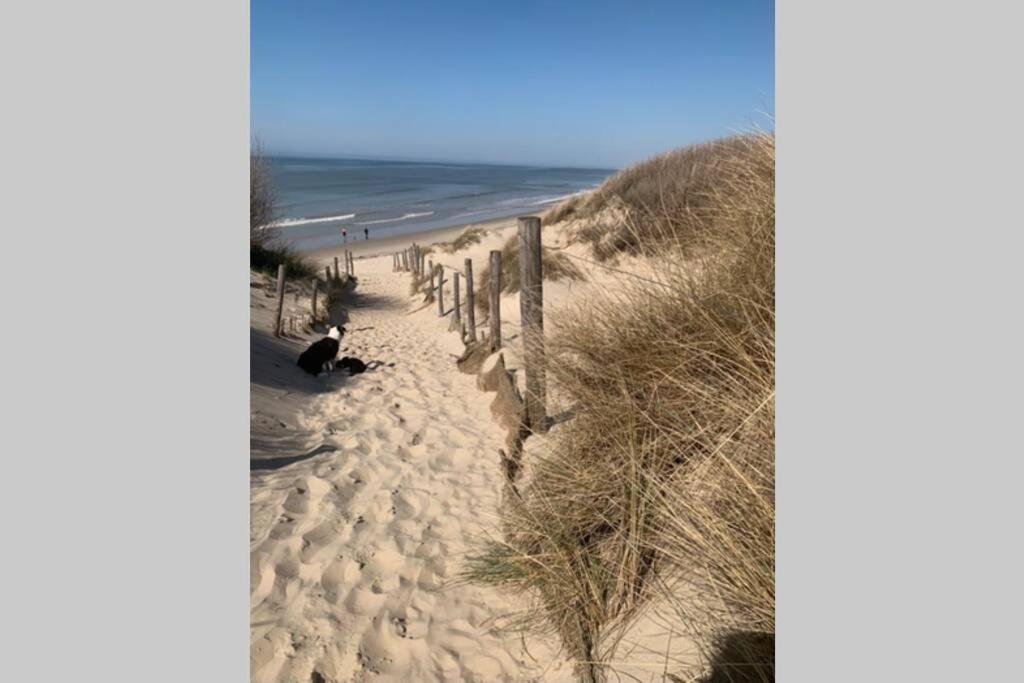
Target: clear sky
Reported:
point(581, 83)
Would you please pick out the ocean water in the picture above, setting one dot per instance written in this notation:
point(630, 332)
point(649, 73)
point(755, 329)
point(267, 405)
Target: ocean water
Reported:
point(317, 198)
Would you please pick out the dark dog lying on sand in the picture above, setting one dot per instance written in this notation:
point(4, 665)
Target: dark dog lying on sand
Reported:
point(355, 366)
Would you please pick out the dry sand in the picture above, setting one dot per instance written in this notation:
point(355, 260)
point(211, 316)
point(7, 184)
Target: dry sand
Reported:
point(382, 482)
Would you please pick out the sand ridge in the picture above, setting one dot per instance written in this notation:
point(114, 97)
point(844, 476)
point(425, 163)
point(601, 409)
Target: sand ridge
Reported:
point(355, 550)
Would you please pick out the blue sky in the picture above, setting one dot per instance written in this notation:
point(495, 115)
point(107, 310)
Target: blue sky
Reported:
point(574, 83)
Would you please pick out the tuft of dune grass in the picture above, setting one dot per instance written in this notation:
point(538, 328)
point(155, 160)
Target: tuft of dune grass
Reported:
point(467, 238)
point(668, 201)
point(555, 266)
point(266, 249)
point(662, 484)
point(564, 210)
point(266, 255)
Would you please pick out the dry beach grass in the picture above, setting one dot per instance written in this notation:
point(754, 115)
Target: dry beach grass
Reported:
point(662, 483)
point(555, 266)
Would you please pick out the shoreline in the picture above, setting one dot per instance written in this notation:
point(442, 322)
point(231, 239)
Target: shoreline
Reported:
point(387, 245)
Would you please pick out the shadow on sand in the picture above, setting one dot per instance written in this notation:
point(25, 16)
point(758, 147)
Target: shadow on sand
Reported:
point(263, 464)
point(743, 657)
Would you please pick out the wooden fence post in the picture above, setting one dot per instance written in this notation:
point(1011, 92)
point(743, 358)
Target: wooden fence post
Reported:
point(495, 300)
point(531, 308)
point(316, 288)
point(457, 315)
point(337, 275)
point(280, 300)
point(440, 290)
point(470, 313)
point(431, 271)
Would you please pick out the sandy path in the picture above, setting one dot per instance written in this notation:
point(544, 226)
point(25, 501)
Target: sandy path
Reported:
point(354, 551)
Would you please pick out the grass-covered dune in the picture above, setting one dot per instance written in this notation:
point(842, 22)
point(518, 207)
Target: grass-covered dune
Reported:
point(661, 487)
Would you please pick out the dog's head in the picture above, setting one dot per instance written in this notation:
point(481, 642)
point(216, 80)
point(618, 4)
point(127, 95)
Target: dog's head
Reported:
point(336, 332)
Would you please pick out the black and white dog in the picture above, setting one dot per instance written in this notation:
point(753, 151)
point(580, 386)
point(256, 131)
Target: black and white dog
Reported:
point(321, 354)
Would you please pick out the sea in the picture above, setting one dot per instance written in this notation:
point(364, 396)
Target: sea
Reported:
point(318, 197)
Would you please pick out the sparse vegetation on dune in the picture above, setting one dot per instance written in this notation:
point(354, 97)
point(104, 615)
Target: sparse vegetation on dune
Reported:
point(671, 200)
point(266, 250)
point(661, 487)
point(556, 266)
point(266, 256)
point(467, 238)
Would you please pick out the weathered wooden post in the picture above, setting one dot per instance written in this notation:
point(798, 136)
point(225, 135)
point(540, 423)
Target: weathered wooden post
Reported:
point(316, 289)
point(457, 314)
point(351, 264)
point(280, 300)
point(431, 271)
point(440, 290)
point(495, 300)
point(405, 261)
point(423, 261)
point(337, 275)
point(531, 308)
point(470, 313)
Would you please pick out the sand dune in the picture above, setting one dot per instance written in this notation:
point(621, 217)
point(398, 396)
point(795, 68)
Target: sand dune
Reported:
point(366, 493)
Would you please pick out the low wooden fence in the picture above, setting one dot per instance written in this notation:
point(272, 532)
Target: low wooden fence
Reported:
point(531, 307)
point(295, 321)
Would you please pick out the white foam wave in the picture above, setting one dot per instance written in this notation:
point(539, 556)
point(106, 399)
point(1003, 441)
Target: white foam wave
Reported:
point(395, 220)
point(548, 200)
point(288, 222)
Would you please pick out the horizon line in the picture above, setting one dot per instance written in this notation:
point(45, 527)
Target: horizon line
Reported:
point(421, 160)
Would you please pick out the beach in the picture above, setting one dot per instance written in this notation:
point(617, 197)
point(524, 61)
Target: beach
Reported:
point(380, 246)
point(369, 491)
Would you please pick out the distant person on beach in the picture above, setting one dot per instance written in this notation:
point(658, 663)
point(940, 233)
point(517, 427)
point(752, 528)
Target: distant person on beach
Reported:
point(366, 231)
point(344, 235)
